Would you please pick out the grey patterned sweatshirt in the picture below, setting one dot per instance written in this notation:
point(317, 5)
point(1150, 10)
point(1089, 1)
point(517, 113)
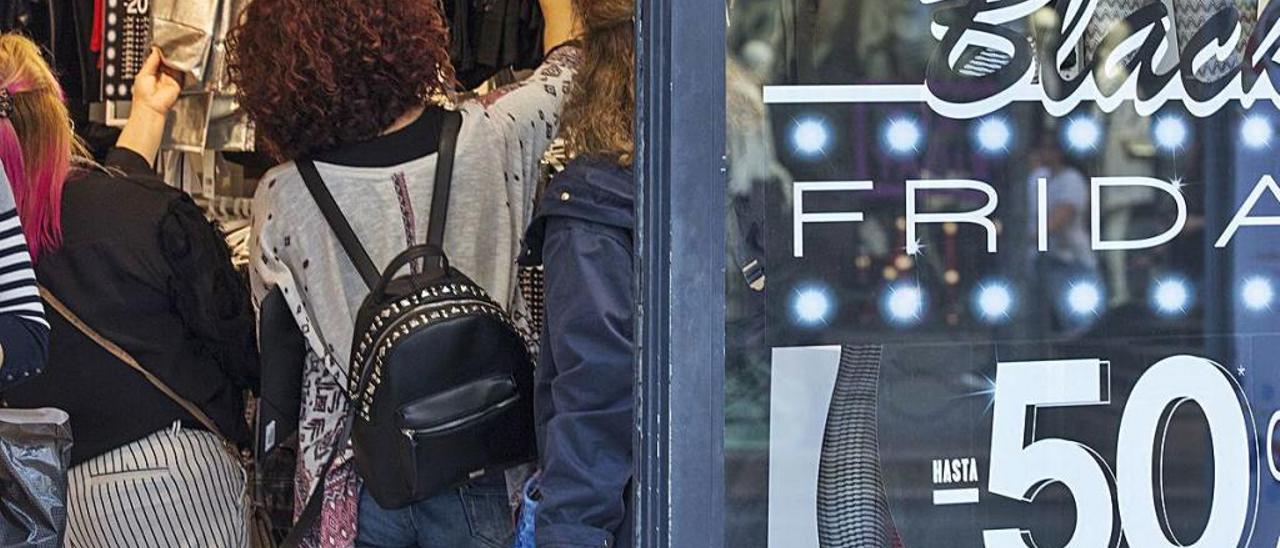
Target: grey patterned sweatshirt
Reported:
point(503, 137)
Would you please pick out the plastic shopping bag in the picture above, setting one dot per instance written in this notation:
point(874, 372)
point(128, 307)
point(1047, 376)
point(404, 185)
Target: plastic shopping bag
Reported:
point(35, 450)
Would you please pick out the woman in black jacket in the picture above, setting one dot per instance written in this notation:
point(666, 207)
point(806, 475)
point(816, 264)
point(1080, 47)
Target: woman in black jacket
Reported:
point(584, 235)
point(136, 260)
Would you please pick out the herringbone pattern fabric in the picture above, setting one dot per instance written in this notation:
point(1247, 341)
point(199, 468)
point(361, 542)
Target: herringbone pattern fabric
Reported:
point(1189, 16)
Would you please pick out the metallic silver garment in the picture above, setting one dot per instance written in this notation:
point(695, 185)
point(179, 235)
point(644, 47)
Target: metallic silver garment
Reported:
point(192, 35)
point(185, 31)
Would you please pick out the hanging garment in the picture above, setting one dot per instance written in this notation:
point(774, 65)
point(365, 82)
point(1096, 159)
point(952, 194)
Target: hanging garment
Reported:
point(490, 35)
point(192, 34)
point(25, 15)
point(1188, 15)
point(64, 30)
point(185, 30)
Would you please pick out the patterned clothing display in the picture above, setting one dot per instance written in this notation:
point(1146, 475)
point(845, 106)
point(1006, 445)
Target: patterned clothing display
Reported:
point(503, 137)
point(1189, 16)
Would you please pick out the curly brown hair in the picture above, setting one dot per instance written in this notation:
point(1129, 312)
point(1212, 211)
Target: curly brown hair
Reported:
point(316, 74)
point(600, 114)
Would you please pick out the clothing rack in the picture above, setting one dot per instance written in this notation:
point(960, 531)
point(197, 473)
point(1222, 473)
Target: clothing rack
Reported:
point(234, 216)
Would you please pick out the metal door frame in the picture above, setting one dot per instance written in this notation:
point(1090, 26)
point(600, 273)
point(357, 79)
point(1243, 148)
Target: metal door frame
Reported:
point(680, 172)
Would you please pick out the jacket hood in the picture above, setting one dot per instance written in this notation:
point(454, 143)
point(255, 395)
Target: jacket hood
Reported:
point(589, 189)
point(592, 190)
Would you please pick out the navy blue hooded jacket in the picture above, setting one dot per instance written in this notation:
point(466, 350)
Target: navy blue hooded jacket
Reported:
point(583, 236)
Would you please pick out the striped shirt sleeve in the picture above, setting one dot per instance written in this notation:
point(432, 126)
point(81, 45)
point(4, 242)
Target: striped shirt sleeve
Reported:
point(19, 295)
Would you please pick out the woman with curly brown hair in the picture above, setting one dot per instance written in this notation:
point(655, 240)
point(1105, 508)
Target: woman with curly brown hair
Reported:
point(356, 87)
point(584, 237)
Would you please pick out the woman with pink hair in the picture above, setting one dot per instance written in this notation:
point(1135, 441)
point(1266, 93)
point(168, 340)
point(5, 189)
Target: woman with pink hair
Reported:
point(138, 268)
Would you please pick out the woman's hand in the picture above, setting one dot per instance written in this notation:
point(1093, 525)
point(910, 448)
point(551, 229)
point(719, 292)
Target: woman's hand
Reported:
point(155, 90)
point(155, 87)
point(561, 23)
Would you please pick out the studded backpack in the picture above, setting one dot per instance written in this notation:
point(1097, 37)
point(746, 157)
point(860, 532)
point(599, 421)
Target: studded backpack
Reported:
point(441, 382)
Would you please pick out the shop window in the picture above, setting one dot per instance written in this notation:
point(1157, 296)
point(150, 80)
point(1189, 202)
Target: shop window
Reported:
point(1002, 274)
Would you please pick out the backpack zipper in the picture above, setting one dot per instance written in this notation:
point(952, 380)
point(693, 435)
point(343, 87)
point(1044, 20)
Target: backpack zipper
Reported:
point(461, 421)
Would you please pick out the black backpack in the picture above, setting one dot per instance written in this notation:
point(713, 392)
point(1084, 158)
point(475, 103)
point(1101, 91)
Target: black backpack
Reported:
point(441, 382)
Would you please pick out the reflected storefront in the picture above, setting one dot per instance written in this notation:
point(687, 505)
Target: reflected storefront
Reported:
point(995, 273)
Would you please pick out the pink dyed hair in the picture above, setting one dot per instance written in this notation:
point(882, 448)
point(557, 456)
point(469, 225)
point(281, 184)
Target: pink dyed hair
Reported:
point(37, 142)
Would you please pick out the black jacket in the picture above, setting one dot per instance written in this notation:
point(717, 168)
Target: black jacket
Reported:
point(140, 264)
point(583, 234)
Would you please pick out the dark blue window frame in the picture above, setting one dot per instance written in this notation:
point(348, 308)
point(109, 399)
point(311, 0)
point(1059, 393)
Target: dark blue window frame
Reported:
point(681, 246)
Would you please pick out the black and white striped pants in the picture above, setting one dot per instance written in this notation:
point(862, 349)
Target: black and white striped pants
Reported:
point(177, 488)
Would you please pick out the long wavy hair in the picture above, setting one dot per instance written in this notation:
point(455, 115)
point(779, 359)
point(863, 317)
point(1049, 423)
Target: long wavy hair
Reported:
point(317, 74)
point(38, 145)
point(600, 114)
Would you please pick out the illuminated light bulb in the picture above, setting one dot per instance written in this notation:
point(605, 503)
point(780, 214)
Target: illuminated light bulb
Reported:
point(812, 306)
point(1171, 133)
point(1082, 134)
point(1084, 298)
point(994, 301)
point(810, 136)
point(904, 304)
point(993, 135)
point(1256, 132)
point(902, 136)
point(1257, 293)
point(1171, 296)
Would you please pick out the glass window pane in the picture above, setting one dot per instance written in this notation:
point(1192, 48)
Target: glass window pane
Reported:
point(1002, 273)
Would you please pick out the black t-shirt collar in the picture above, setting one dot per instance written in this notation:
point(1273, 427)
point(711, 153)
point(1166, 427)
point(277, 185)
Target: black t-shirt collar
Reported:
point(419, 139)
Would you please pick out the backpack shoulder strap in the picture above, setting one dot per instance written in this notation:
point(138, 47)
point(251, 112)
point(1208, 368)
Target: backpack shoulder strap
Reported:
point(338, 223)
point(444, 178)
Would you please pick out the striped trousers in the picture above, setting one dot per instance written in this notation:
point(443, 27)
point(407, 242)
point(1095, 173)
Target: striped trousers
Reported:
point(177, 488)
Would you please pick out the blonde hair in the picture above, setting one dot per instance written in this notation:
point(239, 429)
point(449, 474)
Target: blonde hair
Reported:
point(600, 113)
point(38, 145)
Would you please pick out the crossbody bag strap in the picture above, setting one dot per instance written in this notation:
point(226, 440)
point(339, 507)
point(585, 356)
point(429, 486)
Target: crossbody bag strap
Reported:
point(122, 355)
point(444, 178)
point(338, 223)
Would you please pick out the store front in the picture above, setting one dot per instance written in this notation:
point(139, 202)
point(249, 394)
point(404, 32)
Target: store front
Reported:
point(912, 273)
point(994, 273)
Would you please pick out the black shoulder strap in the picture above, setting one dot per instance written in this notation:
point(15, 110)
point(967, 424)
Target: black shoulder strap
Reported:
point(439, 201)
point(444, 178)
point(338, 222)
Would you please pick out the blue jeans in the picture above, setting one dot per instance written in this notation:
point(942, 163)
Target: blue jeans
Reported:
point(476, 515)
